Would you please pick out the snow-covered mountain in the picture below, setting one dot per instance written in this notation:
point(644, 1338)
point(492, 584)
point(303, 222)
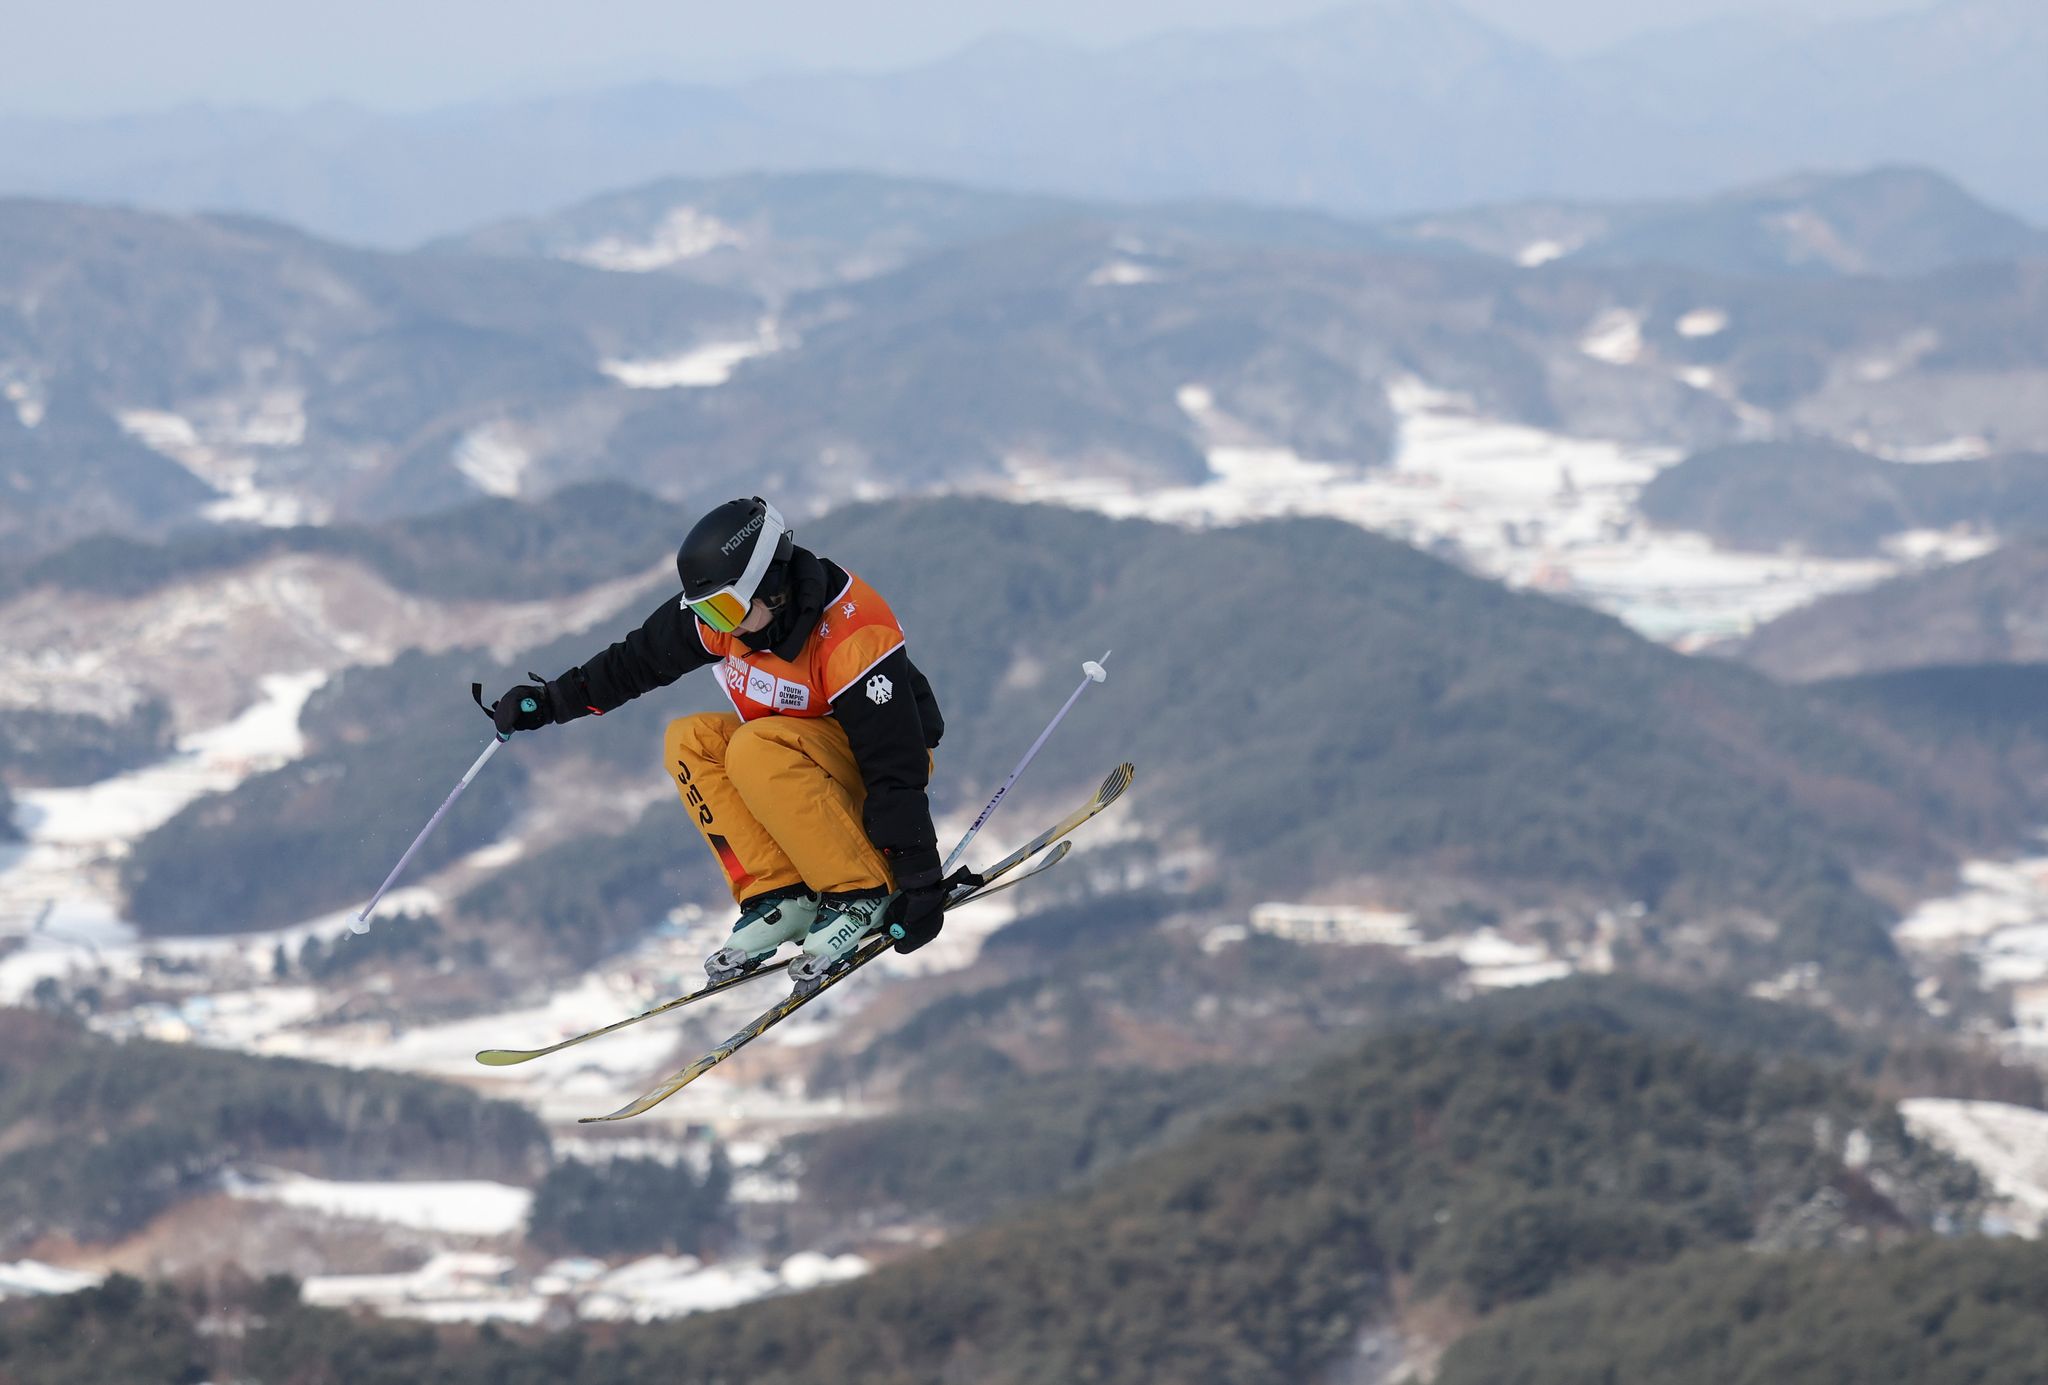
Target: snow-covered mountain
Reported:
point(863, 336)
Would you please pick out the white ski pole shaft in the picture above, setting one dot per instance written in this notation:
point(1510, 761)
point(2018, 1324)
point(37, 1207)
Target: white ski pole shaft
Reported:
point(361, 922)
point(1093, 672)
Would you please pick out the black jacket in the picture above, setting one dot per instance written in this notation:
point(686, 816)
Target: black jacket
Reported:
point(891, 740)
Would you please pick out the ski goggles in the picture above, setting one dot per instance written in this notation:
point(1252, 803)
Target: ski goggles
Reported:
point(723, 610)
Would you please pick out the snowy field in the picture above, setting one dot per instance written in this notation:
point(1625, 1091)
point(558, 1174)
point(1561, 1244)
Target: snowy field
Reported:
point(58, 890)
point(2008, 1144)
point(1998, 921)
point(702, 367)
point(478, 1286)
point(468, 1207)
point(1528, 507)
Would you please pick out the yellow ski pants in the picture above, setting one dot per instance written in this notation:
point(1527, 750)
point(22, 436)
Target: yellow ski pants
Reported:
point(778, 800)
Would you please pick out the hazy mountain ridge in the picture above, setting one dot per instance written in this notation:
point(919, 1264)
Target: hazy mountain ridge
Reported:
point(291, 379)
point(101, 1137)
point(1891, 221)
point(1373, 109)
point(1993, 610)
point(281, 371)
point(1820, 497)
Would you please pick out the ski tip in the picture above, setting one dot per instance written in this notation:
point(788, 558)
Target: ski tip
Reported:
point(505, 1057)
point(1112, 788)
point(626, 1112)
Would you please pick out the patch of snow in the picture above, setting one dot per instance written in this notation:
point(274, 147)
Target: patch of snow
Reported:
point(70, 831)
point(167, 433)
point(237, 1019)
point(567, 1276)
point(491, 456)
point(496, 856)
point(1996, 897)
point(33, 1279)
point(1808, 231)
point(527, 1311)
point(1856, 1150)
point(278, 419)
point(1922, 547)
point(1509, 977)
point(684, 234)
point(26, 396)
point(452, 1286)
point(808, 1269)
point(1541, 252)
point(2008, 1144)
point(1484, 948)
point(1335, 923)
point(464, 1207)
point(233, 474)
point(701, 367)
point(661, 1286)
point(1998, 921)
point(1906, 353)
point(1119, 273)
point(764, 1189)
point(1964, 449)
point(1529, 507)
point(1616, 337)
point(1703, 322)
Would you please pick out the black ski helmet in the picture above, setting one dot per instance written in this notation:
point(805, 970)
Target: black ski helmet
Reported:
point(727, 555)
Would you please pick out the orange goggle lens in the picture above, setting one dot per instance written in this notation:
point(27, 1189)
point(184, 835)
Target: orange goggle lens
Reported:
point(722, 611)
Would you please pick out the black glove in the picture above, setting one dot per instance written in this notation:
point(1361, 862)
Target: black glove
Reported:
point(524, 708)
point(916, 915)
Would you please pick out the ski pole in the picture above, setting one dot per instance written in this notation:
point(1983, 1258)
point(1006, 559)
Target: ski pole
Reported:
point(1095, 673)
point(361, 922)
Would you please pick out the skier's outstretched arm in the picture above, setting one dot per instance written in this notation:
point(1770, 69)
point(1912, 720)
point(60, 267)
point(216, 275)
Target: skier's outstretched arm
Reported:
point(664, 648)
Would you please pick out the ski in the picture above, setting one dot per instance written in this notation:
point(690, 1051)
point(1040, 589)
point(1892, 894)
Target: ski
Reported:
point(867, 951)
point(870, 948)
point(1111, 788)
point(508, 1057)
point(1108, 792)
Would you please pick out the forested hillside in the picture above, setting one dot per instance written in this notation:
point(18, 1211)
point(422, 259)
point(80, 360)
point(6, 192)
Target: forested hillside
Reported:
point(101, 1136)
point(1823, 497)
point(1962, 1312)
point(1476, 1170)
point(1319, 703)
point(495, 549)
point(356, 798)
point(1990, 610)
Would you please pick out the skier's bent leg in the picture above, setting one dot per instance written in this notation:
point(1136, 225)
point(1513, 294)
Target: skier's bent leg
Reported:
point(776, 906)
point(799, 781)
point(697, 750)
point(798, 777)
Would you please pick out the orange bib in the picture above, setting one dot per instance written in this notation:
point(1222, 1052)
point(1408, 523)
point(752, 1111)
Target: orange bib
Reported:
point(856, 631)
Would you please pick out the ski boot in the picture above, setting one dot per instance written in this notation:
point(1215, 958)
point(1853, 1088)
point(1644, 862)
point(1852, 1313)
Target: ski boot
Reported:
point(766, 922)
point(843, 920)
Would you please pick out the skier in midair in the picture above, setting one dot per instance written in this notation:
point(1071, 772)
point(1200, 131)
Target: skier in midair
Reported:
point(811, 792)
